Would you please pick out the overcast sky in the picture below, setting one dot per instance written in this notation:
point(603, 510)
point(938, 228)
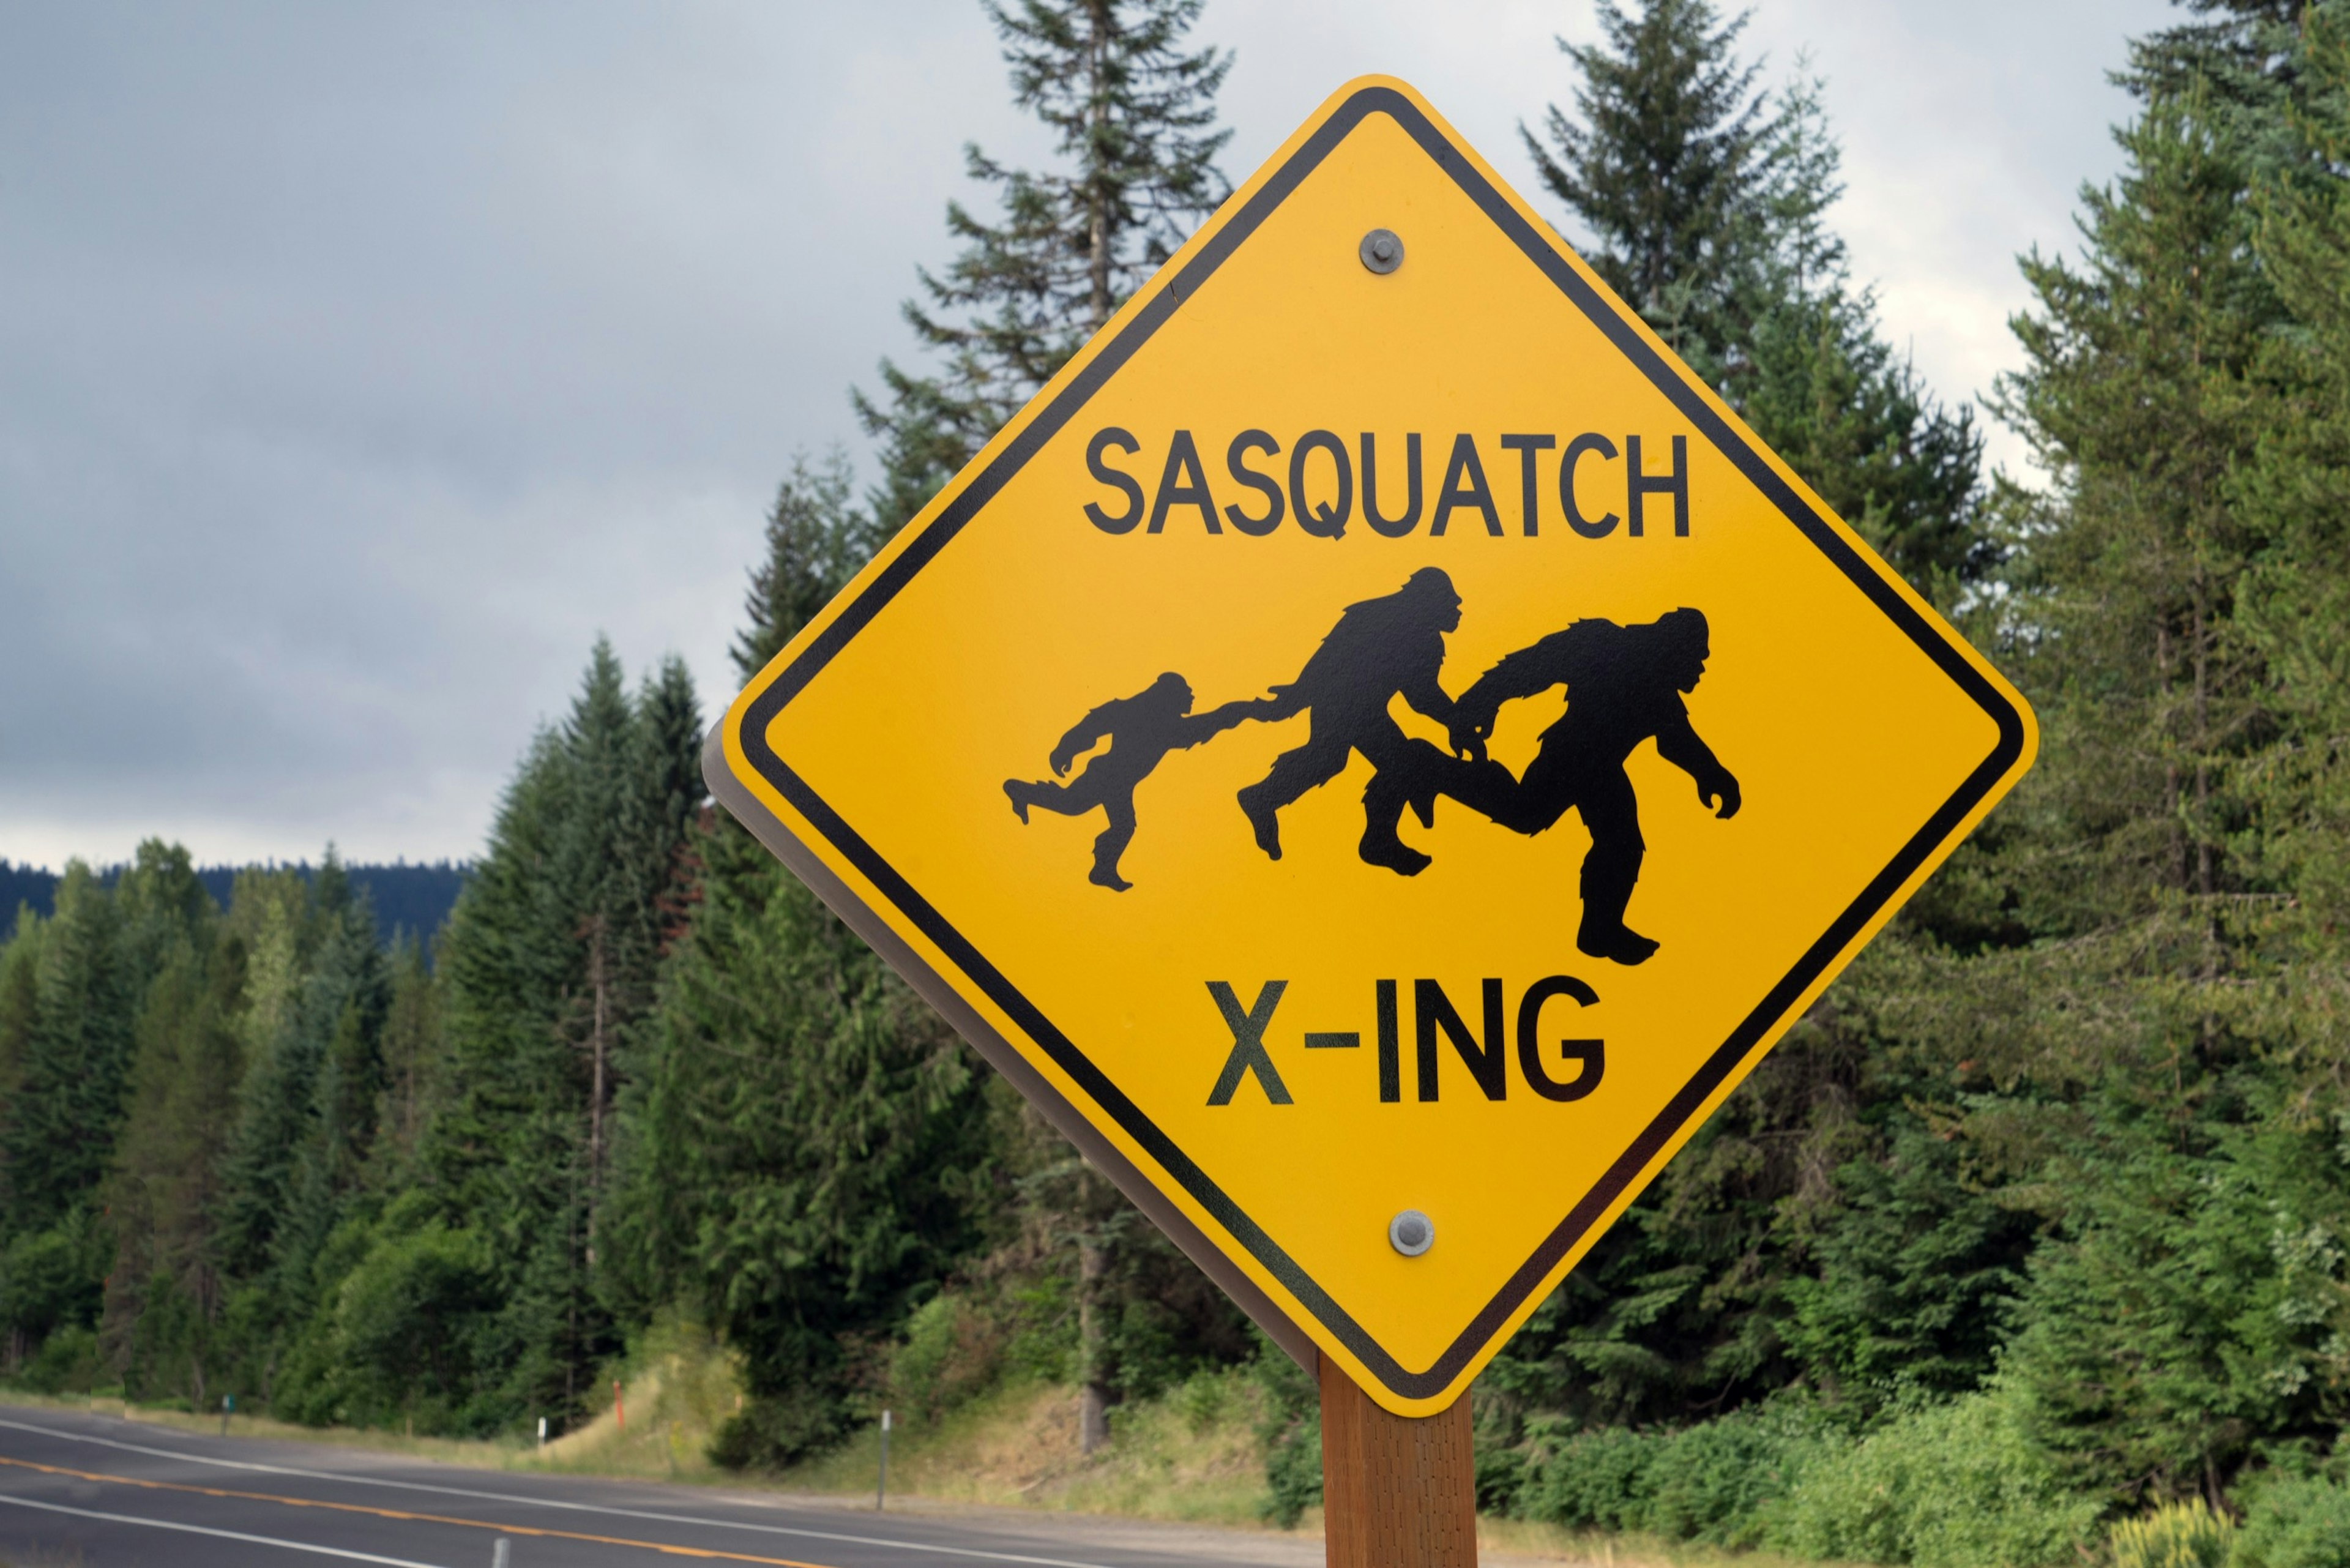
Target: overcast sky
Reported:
point(359, 362)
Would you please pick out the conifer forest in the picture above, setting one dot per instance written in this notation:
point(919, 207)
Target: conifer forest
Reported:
point(2037, 1227)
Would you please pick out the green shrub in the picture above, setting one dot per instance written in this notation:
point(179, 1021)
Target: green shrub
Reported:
point(397, 1336)
point(2295, 1524)
point(950, 1353)
point(1716, 1483)
point(1289, 1431)
point(775, 1431)
point(1719, 1482)
point(1293, 1470)
point(51, 1279)
point(1947, 1486)
point(2176, 1535)
point(69, 1362)
point(1501, 1477)
point(1589, 1480)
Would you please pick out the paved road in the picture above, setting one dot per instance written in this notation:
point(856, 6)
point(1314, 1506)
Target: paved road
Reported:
point(102, 1492)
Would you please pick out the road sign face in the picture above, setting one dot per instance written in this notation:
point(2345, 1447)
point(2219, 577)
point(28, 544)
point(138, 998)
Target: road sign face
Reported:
point(1375, 748)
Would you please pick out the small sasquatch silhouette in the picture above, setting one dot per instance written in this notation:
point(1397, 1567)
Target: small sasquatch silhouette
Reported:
point(1623, 685)
point(1379, 648)
point(1141, 729)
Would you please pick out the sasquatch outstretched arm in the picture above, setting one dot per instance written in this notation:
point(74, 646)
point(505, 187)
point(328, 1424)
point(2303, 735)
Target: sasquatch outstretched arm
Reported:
point(1193, 728)
point(1530, 670)
point(1679, 743)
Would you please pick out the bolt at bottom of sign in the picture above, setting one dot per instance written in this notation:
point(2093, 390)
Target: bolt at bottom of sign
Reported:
point(1411, 1233)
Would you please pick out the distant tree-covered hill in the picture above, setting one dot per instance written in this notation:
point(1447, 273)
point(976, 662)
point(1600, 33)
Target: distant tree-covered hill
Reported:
point(413, 899)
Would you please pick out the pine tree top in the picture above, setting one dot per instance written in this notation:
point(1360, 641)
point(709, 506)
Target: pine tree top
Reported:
point(1132, 110)
point(1657, 161)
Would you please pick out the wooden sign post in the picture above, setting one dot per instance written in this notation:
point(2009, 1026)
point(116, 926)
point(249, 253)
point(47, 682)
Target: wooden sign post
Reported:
point(1398, 1491)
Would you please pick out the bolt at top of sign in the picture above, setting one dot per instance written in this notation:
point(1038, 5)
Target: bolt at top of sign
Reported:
point(1371, 744)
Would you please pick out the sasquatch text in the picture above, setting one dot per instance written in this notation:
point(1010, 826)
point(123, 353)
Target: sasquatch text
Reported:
point(1315, 482)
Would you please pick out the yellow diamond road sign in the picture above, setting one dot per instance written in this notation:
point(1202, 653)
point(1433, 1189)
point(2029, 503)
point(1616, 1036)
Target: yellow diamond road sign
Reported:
point(1375, 748)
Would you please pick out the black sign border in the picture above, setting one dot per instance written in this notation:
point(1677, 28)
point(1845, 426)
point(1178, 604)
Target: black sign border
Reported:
point(1046, 421)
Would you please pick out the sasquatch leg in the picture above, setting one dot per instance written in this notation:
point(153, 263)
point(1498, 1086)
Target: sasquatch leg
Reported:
point(1611, 870)
point(1321, 759)
point(1072, 799)
point(1404, 779)
point(1112, 842)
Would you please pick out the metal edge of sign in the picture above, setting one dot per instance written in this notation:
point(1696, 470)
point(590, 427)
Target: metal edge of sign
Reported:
point(745, 730)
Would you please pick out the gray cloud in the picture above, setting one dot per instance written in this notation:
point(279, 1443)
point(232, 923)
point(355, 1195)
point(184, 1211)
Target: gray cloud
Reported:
point(359, 363)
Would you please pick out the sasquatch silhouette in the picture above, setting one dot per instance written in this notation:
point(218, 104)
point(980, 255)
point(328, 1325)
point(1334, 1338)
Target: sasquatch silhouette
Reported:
point(1623, 685)
point(1379, 648)
point(1141, 729)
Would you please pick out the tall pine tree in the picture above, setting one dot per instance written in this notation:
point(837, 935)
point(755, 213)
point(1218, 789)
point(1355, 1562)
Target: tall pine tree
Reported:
point(1130, 104)
point(1131, 108)
point(1704, 202)
point(550, 963)
point(802, 1147)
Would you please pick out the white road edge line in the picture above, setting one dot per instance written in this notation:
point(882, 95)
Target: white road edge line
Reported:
point(549, 1502)
point(223, 1534)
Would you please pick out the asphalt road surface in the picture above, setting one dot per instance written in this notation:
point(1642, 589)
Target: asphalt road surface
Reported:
point(98, 1492)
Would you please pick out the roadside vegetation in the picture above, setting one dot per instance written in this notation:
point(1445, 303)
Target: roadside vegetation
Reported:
point(2030, 1245)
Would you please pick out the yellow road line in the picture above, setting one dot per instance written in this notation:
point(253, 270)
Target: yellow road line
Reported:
point(417, 1518)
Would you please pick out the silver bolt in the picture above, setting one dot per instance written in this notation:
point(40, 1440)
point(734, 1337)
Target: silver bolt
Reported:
point(1381, 251)
point(1411, 1233)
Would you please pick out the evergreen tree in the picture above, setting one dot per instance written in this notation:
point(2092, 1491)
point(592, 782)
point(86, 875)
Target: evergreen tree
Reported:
point(165, 1291)
point(2296, 594)
point(2180, 1310)
point(803, 1152)
point(1130, 108)
point(1705, 200)
point(816, 539)
point(1665, 161)
point(20, 999)
point(77, 1057)
point(270, 916)
point(800, 1150)
point(340, 1017)
point(413, 1045)
point(22, 1322)
point(2189, 1315)
point(549, 964)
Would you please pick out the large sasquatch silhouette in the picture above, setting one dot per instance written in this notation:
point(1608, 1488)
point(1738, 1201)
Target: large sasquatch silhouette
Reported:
point(1141, 729)
point(1382, 647)
point(1623, 685)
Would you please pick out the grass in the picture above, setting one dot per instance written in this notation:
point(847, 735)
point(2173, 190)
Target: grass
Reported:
point(679, 1388)
point(1524, 1540)
point(1190, 1456)
point(485, 1454)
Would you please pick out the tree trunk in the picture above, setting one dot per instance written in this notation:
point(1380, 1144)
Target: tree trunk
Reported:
point(1097, 198)
point(2171, 790)
point(596, 981)
point(2206, 870)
